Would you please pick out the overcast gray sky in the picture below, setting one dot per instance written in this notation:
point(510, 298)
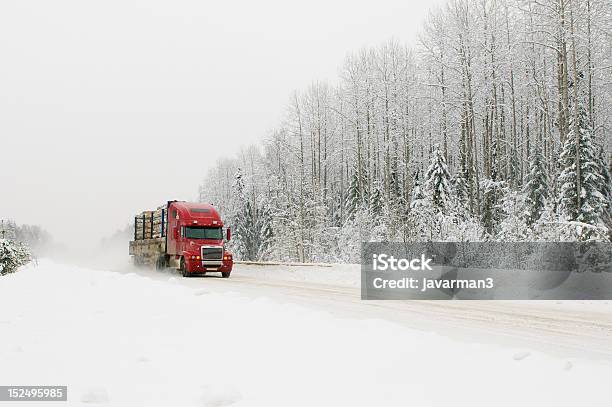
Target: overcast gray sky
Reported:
point(112, 107)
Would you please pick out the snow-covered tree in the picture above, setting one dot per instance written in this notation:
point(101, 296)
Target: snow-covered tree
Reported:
point(417, 192)
point(460, 190)
point(492, 213)
point(376, 204)
point(356, 197)
point(243, 221)
point(514, 226)
point(438, 180)
point(12, 255)
point(606, 179)
point(581, 180)
point(536, 188)
point(266, 230)
point(423, 218)
point(355, 231)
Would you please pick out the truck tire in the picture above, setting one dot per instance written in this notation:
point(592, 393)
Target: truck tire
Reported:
point(183, 268)
point(162, 262)
point(225, 274)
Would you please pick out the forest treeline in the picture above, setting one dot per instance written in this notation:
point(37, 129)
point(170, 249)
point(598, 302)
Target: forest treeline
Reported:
point(496, 126)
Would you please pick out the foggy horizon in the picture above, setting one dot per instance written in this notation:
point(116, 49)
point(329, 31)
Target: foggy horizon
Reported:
point(103, 105)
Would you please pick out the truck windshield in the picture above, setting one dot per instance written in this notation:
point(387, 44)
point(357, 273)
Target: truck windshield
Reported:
point(192, 232)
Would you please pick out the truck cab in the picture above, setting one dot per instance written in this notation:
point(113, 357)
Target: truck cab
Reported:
point(195, 239)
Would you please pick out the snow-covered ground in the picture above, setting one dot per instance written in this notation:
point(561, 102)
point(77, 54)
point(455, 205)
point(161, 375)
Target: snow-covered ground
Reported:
point(155, 339)
point(347, 275)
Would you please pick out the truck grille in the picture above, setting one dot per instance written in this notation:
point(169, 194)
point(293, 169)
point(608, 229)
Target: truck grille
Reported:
point(212, 253)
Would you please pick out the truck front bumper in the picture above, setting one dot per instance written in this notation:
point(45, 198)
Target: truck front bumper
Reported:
point(197, 266)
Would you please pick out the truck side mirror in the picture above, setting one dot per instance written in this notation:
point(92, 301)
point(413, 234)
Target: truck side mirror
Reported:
point(229, 233)
point(176, 234)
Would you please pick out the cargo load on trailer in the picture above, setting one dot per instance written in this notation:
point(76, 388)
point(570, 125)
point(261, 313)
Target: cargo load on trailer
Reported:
point(187, 236)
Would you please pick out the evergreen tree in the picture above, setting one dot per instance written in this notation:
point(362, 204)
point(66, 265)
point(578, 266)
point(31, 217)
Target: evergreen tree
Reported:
point(13, 255)
point(460, 190)
point(375, 204)
point(243, 220)
point(587, 206)
point(422, 219)
point(266, 234)
point(606, 179)
point(417, 193)
point(513, 226)
point(536, 188)
point(606, 191)
point(438, 180)
point(356, 196)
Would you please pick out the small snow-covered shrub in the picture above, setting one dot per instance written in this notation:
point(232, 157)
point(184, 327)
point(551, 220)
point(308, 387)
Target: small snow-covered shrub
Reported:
point(12, 255)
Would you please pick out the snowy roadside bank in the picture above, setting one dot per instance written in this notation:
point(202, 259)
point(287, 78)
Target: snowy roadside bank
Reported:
point(126, 340)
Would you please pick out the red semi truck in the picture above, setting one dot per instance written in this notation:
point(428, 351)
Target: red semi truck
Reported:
point(184, 235)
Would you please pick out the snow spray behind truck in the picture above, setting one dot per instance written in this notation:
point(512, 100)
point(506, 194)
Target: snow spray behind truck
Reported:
point(184, 235)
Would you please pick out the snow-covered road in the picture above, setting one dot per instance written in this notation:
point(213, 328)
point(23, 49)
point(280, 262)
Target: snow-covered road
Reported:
point(565, 328)
point(290, 336)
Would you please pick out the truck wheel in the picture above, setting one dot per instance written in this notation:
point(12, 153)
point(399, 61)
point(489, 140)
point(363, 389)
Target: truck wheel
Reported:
point(225, 274)
point(183, 268)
